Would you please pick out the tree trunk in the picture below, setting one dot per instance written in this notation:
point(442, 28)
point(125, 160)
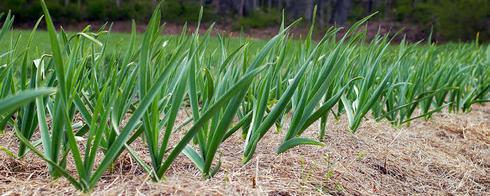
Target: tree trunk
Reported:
point(309, 9)
point(370, 6)
point(321, 12)
point(241, 11)
point(229, 6)
point(389, 8)
point(340, 12)
point(296, 8)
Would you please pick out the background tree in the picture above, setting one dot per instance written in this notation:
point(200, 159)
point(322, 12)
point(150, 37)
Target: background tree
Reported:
point(451, 19)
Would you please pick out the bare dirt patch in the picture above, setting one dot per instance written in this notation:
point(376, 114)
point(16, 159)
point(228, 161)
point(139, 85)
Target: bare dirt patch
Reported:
point(411, 32)
point(449, 154)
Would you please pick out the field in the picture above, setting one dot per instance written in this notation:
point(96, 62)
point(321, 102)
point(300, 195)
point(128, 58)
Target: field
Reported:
point(116, 42)
point(109, 113)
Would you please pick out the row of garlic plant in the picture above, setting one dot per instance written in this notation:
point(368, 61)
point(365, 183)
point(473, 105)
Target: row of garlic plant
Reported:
point(22, 94)
point(90, 106)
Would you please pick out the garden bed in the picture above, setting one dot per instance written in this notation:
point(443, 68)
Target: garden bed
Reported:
point(449, 154)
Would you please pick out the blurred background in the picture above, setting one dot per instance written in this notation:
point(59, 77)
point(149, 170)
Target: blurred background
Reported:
point(449, 20)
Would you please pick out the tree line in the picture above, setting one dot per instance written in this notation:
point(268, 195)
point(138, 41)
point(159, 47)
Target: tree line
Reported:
point(451, 19)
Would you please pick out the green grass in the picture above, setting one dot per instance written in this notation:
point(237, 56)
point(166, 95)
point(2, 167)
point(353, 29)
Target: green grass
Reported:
point(117, 42)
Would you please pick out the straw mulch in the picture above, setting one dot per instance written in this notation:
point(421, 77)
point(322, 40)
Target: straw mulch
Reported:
point(449, 154)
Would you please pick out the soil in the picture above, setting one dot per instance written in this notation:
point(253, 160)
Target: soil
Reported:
point(412, 33)
point(449, 154)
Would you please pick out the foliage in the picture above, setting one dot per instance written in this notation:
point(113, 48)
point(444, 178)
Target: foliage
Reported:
point(459, 20)
point(463, 19)
point(259, 19)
